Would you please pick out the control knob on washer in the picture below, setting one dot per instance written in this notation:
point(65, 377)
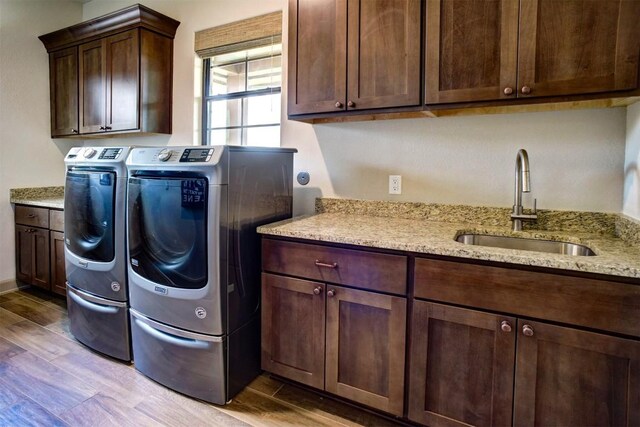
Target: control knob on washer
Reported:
point(89, 153)
point(164, 155)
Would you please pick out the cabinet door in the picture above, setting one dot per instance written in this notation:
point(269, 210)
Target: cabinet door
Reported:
point(471, 50)
point(92, 86)
point(122, 81)
point(58, 275)
point(576, 46)
point(366, 348)
point(293, 328)
point(317, 56)
point(40, 258)
point(24, 254)
point(383, 53)
point(570, 377)
point(63, 81)
point(462, 364)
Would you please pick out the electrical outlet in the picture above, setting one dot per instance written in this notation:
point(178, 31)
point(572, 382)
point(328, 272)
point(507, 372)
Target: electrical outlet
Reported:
point(395, 184)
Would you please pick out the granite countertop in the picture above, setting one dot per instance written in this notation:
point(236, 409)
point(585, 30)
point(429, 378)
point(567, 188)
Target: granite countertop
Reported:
point(614, 255)
point(44, 197)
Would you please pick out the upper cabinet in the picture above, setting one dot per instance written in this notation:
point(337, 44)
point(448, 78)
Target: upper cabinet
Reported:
point(353, 55)
point(502, 49)
point(112, 74)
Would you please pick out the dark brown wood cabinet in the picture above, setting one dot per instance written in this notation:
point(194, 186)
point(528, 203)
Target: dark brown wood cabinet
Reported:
point(32, 256)
point(40, 248)
point(63, 78)
point(353, 55)
point(502, 49)
point(123, 78)
point(463, 372)
point(350, 342)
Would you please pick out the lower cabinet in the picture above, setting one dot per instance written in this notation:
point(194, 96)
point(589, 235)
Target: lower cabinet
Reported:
point(346, 341)
point(474, 368)
point(40, 248)
point(32, 255)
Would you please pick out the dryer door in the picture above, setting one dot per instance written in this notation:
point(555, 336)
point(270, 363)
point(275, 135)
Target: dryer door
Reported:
point(168, 230)
point(89, 205)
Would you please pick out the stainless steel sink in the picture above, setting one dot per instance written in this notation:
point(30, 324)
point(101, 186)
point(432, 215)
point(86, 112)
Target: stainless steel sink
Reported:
point(524, 244)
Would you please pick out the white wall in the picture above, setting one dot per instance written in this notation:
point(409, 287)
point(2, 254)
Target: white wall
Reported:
point(28, 156)
point(577, 157)
point(631, 201)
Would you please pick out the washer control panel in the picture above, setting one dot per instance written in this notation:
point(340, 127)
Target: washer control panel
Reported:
point(110, 153)
point(196, 155)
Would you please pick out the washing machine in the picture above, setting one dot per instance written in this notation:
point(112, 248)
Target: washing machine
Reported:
point(95, 256)
point(194, 261)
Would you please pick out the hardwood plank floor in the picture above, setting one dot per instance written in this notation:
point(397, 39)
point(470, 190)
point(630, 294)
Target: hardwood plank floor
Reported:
point(47, 378)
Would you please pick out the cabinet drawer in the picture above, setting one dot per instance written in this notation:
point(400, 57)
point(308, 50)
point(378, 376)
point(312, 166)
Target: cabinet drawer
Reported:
point(362, 269)
point(28, 215)
point(598, 304)
point(56, 220)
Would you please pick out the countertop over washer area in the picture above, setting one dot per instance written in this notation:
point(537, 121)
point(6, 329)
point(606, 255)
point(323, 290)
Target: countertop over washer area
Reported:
point(44, 197)
point(432, 229)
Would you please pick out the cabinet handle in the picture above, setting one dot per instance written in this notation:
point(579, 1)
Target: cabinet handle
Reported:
point(107, 128)
point(505, 326)
point(351, 104)
point(338, 104)
point(74, 130)
point(527, 330)
point(508, 91)
point(326, 265)
point(317, 290)
point(526, 90)
point(331, 293)
point(31, 215)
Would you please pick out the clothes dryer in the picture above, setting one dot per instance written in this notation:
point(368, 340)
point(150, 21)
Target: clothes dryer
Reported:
point(95, 257)
point(194, 261)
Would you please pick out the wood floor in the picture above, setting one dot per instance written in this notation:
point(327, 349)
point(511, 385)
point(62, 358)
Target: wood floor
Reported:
point(47, 378)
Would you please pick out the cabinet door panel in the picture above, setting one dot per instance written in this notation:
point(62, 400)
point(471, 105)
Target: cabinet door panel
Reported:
point(575, 46)
point(122, 58)
point(58, 275)
point(24, 254)
point(41, 258)
point(570, 377)
point(461, 367)
point(92, 86)
point(471, 50)
point(293, 329)
point(384, 53)
point(63, 81)
point(366, 348)
point(317, 56)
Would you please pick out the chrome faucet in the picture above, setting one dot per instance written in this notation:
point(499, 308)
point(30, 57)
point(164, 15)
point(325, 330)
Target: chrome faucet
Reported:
point(523, 185)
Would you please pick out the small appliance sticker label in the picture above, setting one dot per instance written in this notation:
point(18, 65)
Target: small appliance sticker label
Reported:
point(201, 313)
point(160, 290)
point(193, 193)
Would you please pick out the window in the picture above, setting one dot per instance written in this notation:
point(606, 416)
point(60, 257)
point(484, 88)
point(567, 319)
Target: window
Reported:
point(241, 97)
point(238, 96)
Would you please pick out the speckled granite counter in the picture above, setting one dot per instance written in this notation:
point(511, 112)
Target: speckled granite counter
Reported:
point(614, 256)
point(45, 197)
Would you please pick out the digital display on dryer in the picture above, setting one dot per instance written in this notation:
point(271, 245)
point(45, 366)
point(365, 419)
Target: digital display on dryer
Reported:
point(110, 153)
point(196, 155)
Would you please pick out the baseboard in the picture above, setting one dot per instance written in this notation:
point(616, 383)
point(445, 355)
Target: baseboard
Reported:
point(10, 286)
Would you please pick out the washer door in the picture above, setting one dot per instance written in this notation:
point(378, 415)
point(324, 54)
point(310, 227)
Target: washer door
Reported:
point(168, 230)
point(89, 205)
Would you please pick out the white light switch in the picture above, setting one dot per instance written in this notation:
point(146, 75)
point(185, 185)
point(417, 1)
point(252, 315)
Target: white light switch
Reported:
point(395, 184)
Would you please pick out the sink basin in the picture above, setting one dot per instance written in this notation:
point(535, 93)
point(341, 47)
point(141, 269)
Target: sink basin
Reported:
point(524, 244)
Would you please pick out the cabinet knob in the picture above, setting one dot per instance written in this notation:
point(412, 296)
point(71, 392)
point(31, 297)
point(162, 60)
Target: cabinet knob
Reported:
point(508, 91)
point(331, 293)
point(326, 265)
point(527, 330)
point(74, 131)
point(338, 104)
point(31, 215)
point(505, 326)
point(526, 90)
point(317, 290)
point(351, 104)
